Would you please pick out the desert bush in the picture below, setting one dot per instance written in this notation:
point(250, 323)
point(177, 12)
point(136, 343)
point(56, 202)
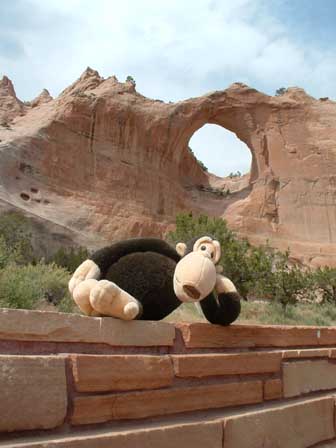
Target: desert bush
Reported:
point(256, 271)
point(26, 282)
point(242, 263)
point(9, 254)
point(280, 91)
point(70, 258)
point(16, 236)
point(288, 282)
point(201, 164)
point(30, 285)
point(236, 174)
point(325, 282)
point(130, 78)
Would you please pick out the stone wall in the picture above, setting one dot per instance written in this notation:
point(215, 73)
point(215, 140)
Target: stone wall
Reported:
point(75, 381)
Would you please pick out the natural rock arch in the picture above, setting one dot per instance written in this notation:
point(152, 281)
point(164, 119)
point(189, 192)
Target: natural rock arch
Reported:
point(110, 163)
point(220, 151)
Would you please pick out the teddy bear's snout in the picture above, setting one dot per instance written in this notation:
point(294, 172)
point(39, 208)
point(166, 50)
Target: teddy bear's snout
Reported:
point(192, 292)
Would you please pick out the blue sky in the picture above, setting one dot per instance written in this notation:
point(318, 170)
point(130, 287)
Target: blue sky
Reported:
point(175, 50)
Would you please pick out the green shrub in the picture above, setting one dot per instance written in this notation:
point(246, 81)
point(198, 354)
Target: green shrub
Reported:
point(70, 258)
point(201, 164)
point(242, 263)
point(130, 78)
point(29, 286)
point(9, 255)
point(325, 282)
point(236, 174)
point(25, 282)
point(280, 91)
point(290, 282)
point(15, 233)
point(256, 271)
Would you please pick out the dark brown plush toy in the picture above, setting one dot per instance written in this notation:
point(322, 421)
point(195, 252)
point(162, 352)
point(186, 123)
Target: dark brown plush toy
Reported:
point(146, 278)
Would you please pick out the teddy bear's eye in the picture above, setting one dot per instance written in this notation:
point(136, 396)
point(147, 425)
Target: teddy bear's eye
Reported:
point(212, 254)
point(203, 247)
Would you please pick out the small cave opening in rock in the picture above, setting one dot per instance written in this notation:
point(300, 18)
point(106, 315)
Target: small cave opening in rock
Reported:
point(25, 196)
point(220, 152)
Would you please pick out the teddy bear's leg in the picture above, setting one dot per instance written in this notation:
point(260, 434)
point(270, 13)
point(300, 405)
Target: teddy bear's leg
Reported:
point(81, 295)
point(108, 299)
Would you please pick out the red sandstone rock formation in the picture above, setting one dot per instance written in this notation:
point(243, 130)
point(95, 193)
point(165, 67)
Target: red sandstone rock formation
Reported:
point(102, 162)
point(10, 105)
point(43, 97)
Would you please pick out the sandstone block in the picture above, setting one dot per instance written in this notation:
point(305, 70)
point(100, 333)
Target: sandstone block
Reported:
point(137, 333)
point(102, 408)
point(296, 425)
point(212, 336)
point(230, 364)
point(272, 389)
point(121, 372)
point(306, 353)
point(332, 353)
point(330, 444)
point(33, 392)
point(327, 336)
point(308, 376)
point(193, 435)
point(62, 327)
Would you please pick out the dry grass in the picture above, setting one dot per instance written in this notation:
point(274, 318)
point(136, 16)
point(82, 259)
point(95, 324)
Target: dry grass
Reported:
point(267, 313)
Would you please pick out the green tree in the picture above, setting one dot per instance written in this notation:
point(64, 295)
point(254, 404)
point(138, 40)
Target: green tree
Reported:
point(256, 271)
point(288, 282)
point(131, 79)
point(280, 91)
point(325, 282)
point(242, 263)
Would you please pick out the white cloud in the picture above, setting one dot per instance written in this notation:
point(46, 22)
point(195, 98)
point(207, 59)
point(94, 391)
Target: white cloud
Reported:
point(174, 49)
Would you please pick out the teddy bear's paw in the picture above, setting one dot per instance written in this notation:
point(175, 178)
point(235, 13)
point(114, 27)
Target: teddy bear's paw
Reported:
point(81, 295)
point(103, 295)
point(87, 270)
point(132, 310)
point(74, 282)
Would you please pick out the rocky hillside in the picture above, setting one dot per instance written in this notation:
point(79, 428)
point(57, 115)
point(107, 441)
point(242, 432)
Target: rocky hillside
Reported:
point(102, 162)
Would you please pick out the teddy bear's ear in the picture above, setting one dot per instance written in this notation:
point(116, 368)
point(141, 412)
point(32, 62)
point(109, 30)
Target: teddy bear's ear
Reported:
point(181, 249)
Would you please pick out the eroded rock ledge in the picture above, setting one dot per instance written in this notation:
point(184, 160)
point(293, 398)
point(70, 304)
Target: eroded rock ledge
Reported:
point(102, 162)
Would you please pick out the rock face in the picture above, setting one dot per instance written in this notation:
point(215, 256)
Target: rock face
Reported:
point(43, 97)
point(104, 162)
point(10, 105)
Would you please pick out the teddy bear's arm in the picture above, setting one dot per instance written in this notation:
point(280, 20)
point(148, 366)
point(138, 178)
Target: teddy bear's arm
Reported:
point(225, 308)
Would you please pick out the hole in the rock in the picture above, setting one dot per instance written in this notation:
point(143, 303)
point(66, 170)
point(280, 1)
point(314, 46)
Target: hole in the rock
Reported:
point(25, 196)
point(221, 151)
point(26, 168)
point(34, 190)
